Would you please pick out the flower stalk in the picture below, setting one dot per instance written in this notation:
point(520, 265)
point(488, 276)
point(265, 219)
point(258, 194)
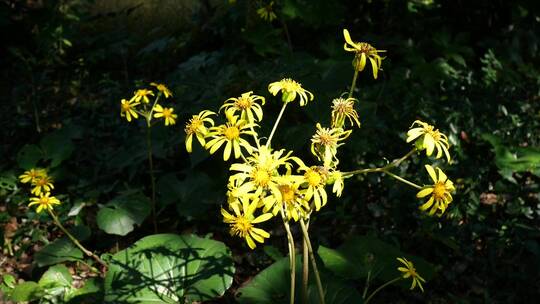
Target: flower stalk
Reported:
point(320, 289)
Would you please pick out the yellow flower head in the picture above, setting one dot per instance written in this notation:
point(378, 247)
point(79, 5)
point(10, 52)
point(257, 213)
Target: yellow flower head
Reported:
point(325, 142)
point(439, 192)
point(315, 181)
point(242, 219)
point(247, 105)
point(266, 12)
point(162, 89)
point(127, 109)
point(197, 126)
point(44, 201)
point(429, 138)
point(229, 134)
point(42, 184)
point(363, 51)
point(410, 272)
point(142, 94)
point(344, 108)
point(166, 113)
point(32, 175)
point(289, 89)
point(291, 200)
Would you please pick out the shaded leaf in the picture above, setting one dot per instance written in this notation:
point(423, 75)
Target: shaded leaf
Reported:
point(121, 214)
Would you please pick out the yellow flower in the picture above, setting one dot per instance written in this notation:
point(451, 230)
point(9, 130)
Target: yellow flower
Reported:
point(42, 184)
point(127, 109)
point(363, 51)
point(291, 199)
point(162, 88)
point(440, 192)
point(242, 220)
point(31, 175)
point(344, 108)
point(325, 142)
point(289, 89)
point(315, 180)
point(427, 137)
point(229, 134)
point(166, 113)
point(44, 201)
point(336, 179)
point(410, 272)
point(247, 105)
point(142, 94)
point(267, 13)
point(196, 126)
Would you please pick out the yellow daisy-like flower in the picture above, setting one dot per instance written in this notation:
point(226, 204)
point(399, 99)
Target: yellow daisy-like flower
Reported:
point(42, 184)
point(31, 175)
point(289, 89)
point(197, 126)
point(127, 109)
point(440, 196)
point(247, 105)
point(162, 88)
point(410, 272)
point(267, 13)
point(44, 201)
point(344, 108)
point(166, 113)
point(325, 142)
point(142, 94)
point(291, 199)
point(363, 51)
point(429, 138)
point(242, 220)
point(229, 134)
point(315, 181)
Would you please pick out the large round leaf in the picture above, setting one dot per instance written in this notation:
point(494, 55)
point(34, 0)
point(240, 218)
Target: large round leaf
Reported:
point(121, 214)
point(169, 268)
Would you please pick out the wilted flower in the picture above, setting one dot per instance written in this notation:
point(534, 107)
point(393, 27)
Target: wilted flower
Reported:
point(325, 142)
point(266, 12)
point(344, 108)
point(410, 272)
point(429, 138)
point(363, 51)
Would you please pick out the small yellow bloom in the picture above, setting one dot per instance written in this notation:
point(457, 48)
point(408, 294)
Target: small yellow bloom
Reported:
point(162, 88)
point(127, 109)
point(325, 142)
point(267, 13)
point(440, 192)
point(247, 105)
point(142, 94)
point(31, 175)
point(410, 272)
point(42, 184)
point(344, 108)
point(242, 220)
point(289, 89)
point(166, 113)
point(291, 199)
point(196, 126)
point(363, 51)
point(315, 181)
point(44, 201)
point(229, 134)
point(429, 138)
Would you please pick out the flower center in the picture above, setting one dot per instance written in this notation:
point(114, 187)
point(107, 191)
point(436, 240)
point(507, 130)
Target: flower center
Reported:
point(192, 126)
point(326, 139)
point(261, 177)
point(41, 182)
point(287, 193)
point(44, 201)
point(241, 227)
point(167, 113)
point(290, 85)
point(313, 178)
point(366, 48)
point(244, 102)
point(126, 107)
point(439, 190)
point(231, 133)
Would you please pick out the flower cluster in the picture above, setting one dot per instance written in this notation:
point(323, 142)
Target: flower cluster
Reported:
point(42, 184)
point(141, 105)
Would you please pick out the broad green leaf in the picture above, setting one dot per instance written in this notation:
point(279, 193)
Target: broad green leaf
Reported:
point(120, 215)
point(91, 292)
point(27, 291)
point(169, 268)
point(28, 156)
point(56, 281)
point(57, 147)
point(58, 251)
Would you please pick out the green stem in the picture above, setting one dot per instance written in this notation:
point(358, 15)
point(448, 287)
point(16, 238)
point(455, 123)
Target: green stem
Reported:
point(75, 241)
point(305, 270)
point(149, 117)
point(380, 288)
point(366, 286)
point(286, 30)
point(353, 84)
point(255, 137)
point(401, 179)
point(292, 255)
point(313, 262)
point(391, 165)
point(276, 124)
point(152, 178)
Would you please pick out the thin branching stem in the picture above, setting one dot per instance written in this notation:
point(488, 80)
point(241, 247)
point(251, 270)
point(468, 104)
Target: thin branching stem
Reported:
point(276, 124)
point(313, 262)
point(380, 288)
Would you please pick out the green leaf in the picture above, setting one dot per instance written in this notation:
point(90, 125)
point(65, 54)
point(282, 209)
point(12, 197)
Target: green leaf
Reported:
point(57, 281)
point(27, 291)
point(272, 285)
point(28, 156)
point(9, 280)
point(120, 215)
point(91, 292)
point(57, 147)
point(169, 268)
point(58, 251)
